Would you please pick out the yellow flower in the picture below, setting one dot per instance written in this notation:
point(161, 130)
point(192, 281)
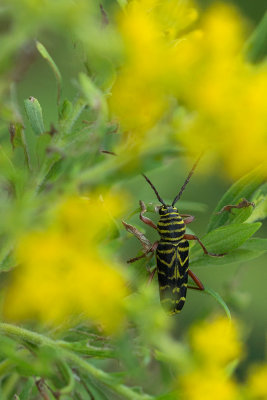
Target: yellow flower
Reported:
point(224, 94)
point(140, 96)
point(207, 384)
point(213, 345)
point(257, 382)
point(216, 342)
point(223, 97)
point(62, 272)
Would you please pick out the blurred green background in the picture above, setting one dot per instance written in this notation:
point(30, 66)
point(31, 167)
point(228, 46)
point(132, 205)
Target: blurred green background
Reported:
point(242, 286)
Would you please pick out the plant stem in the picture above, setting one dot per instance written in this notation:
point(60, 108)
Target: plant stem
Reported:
point(38, 339)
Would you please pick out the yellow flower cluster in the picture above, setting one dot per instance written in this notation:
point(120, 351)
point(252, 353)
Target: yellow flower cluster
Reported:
point(220, 97)
point(140, 95)
point(214, 344)
point(215, 350)
point(257, 382)
point(224, 94)
point(62, 272)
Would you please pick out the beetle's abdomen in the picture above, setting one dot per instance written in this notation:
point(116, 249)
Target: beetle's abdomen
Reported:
point(171, 227)
point(172, 267)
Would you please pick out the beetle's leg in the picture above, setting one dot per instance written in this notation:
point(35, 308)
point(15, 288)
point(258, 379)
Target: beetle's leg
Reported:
point(151, 276)
point(187, 218)
point(197, 281)
point(152, 249)
point(194, 237)
point(242, 204)
point(136, 258)
point(145, 219)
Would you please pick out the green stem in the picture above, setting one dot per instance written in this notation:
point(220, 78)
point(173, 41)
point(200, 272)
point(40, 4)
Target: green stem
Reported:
point(87, 350)
point(38, 339)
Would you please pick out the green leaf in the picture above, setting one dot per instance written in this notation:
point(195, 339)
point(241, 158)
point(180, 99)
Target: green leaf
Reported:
point(226, 238)
point(256, 46)
point(16, 135)
point(251, 249)
point(69, 114)
point(93, 95)
point(27, 389)
point(17, 139)
point(219, 299)
point(238, 216)
point(7, 261)
point(260, 211)
point(42, 50)
point(67, 373)
point(35, 115)
point(243, 188)
point(66, 110)
point(42, 144)
point(96, 391)
point(256, 244)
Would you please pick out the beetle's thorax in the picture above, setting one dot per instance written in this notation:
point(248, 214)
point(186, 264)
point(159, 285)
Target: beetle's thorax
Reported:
point(171, 226)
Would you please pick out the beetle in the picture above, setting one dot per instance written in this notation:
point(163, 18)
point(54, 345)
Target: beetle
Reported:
point(172, 251)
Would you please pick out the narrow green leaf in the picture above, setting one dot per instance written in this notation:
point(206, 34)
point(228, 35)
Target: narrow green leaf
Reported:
point(7, 261)
point(243, 188)
point(93, 95)
point(69, 114)
point(27, 389)
point(97, 391)
point(17, 139)
point(44, 53)
point(251, 249)
point(67, 373)
point(42, 144)
point(236, 256)
point(260, 211)
point(256, 46)
point(240, 215)
point(219, 299)
point(256, 244)
point(16, 134)
point(35, 115)
point(66, 109)
point(226, 238)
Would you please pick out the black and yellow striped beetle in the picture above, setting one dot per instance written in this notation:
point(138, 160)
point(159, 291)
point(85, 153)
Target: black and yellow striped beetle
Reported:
point(172, 252)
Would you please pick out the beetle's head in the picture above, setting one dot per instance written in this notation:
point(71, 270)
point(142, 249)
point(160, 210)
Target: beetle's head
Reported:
point(163, 210)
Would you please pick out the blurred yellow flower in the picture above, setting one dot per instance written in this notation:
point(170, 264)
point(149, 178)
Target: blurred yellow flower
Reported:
point(216, 342)
point(62, 272)
point(213, 345)
point(140, 95)
point(257, 382)
point(225, 94)
point(203, 70)
point(208, 384)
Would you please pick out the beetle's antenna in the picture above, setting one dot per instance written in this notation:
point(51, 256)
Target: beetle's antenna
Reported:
point(186, 181)
point(153, 187)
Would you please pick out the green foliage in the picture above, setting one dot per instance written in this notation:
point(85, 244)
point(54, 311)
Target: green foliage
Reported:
point(41, 162)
